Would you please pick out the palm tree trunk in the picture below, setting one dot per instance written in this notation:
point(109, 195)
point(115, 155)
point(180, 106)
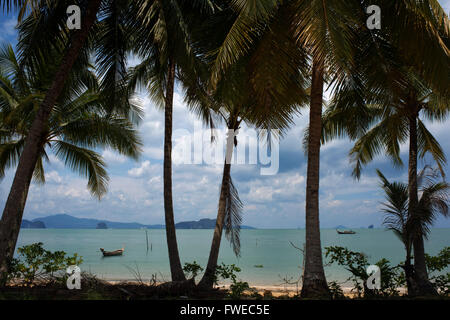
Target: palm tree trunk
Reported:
point(174, 258)
point(424, 286)
point(409, 272)
point(15, 204)
point(208, 278)
point(314, 284)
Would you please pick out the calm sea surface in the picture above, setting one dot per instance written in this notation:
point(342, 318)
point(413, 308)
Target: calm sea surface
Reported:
point(269, 248)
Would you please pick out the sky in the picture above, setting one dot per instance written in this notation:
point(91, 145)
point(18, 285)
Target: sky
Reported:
point(135, 192)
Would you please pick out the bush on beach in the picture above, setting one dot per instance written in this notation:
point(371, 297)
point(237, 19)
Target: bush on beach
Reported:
point(35, 264)
point(392, 277)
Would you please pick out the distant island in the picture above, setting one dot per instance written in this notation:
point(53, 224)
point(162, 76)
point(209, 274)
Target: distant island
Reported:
point(201, 224)
point(65, 221)
point(101, 225)
point(27, 224)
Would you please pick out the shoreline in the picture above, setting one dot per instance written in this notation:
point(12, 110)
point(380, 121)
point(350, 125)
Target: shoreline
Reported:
point(274, 290)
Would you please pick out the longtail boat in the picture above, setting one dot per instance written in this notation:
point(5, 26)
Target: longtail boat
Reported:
point(112, 253)
point(345, 232)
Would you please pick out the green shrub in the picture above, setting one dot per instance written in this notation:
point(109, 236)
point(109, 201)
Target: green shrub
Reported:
point(438, 264)
point(356, 263)
point(237, 289)
point(35, 263)
point(192, 269)
point(225, 272)
point(336, 291)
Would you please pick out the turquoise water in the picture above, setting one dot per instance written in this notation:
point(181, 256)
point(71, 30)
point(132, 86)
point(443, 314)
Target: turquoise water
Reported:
point(270, 248)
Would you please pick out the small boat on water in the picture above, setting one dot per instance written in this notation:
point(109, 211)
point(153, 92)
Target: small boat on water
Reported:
point(346, 232)
point(112, 253)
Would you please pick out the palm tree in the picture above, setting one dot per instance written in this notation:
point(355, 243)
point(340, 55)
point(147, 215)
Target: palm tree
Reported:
point(325, 28)
point(236, 109)
point(379, 101)
point(79, 122)
point(245, 93)
point(388, 115)
point(49, 19)
point(163, 42)
point(432, 201)
point(396, 219)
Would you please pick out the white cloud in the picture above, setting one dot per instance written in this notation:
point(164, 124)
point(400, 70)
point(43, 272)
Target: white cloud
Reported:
point(113, 157)
point(53, 176)
point(140, 171)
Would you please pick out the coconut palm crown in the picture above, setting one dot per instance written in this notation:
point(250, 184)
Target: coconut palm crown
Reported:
point(79, 124)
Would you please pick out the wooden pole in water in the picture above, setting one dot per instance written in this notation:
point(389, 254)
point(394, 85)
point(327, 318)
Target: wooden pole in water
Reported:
point(146, 237)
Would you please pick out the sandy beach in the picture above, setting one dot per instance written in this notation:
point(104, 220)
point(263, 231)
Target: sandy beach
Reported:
point(275, 291)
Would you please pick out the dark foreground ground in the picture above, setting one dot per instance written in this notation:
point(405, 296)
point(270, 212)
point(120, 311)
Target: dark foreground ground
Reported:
point(100, 290)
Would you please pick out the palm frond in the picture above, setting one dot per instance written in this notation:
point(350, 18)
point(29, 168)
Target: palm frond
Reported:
point(94, 131)
point(39, 173)
point(396, 208)
point(428, 144)
point(233, 217)
point(10, 152)
point(250, 17)
point(87, 163)
point(385, 137)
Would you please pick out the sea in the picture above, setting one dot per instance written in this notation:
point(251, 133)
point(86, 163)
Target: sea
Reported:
point(268, 257)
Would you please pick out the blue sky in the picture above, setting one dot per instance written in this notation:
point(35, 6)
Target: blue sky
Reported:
point(278, 201)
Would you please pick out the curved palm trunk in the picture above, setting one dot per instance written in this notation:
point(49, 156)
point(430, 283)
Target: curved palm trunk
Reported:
point(314, 282)
point(207, 281)
point(174, 258)
point(423, 285)
point(15, 204)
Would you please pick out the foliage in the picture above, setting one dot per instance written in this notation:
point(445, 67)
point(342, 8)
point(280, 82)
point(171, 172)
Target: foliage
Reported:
point(225, 272)
point(80, 123)
point(336, 291)
point(442, 283)
point(192, 269)
point(238, 288)
point(433, 201)
point(356, 263)
point(391, 278)
point(35, 263)
point(437, 264)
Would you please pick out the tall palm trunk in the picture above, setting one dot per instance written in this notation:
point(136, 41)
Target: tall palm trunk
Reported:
point(15, 204)
point(314, 283)
point(208, 278)
point(409, 271)
point(174, 258)
point(424, 286)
